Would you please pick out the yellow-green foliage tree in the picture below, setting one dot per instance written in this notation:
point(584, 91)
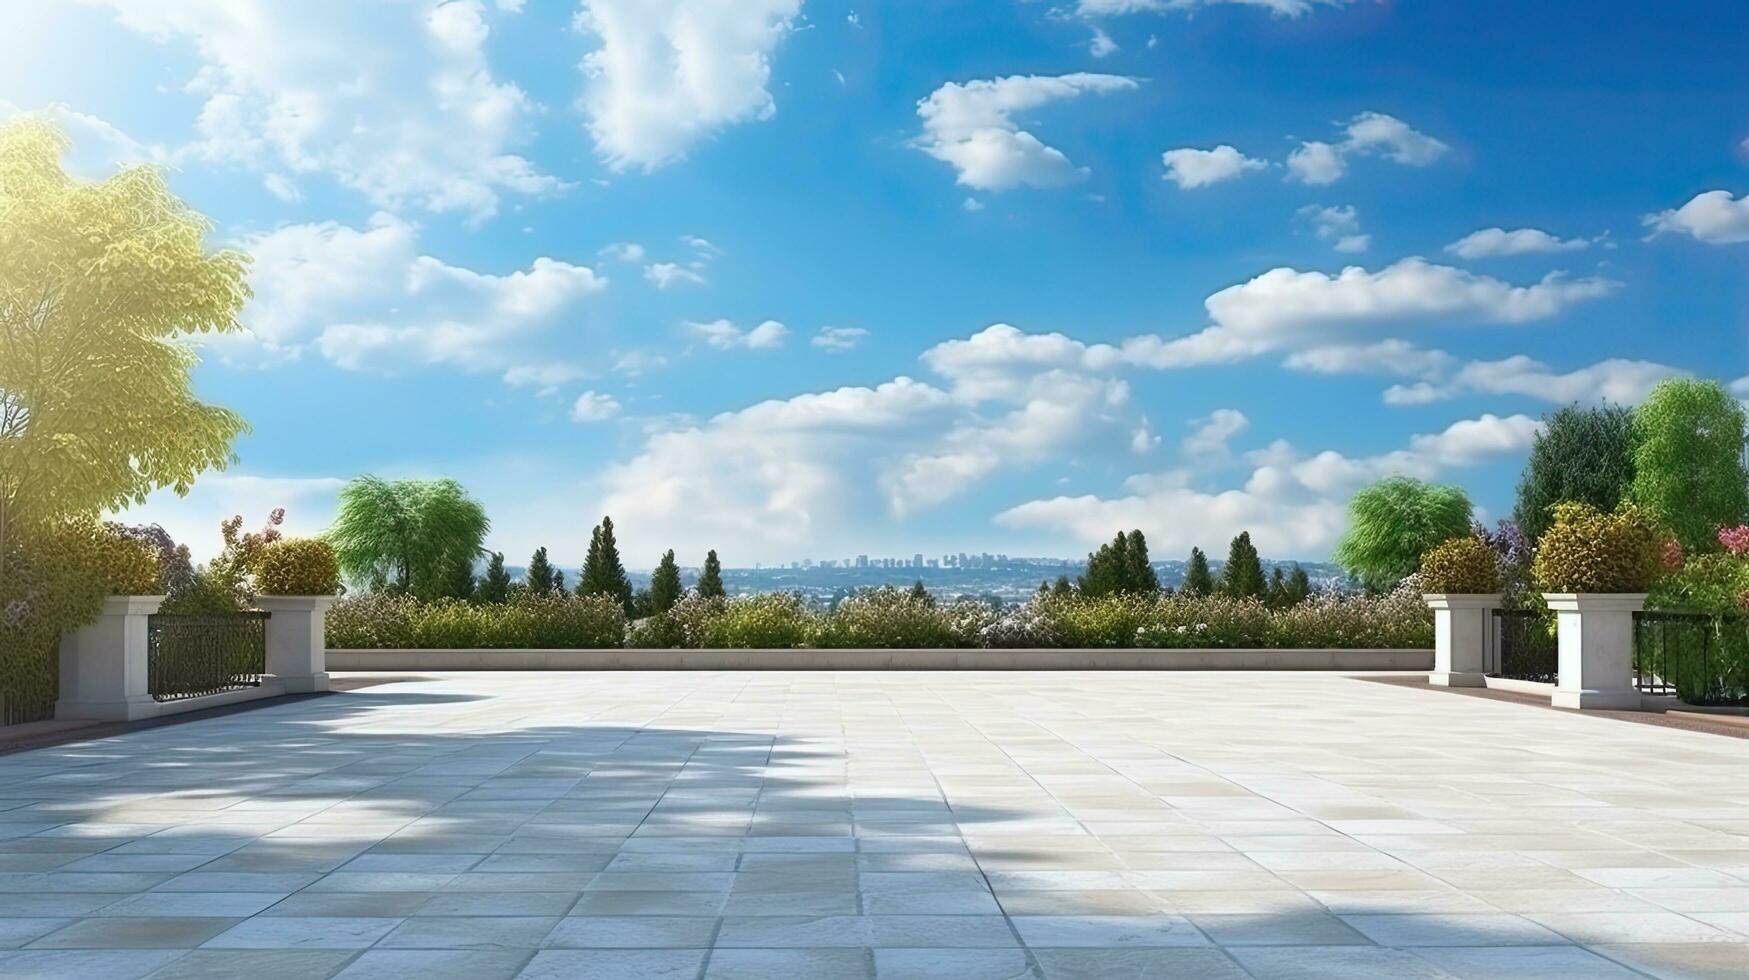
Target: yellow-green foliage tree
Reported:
point(99, 283)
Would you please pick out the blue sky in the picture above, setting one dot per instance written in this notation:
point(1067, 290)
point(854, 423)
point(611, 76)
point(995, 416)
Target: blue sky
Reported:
point(794, 279)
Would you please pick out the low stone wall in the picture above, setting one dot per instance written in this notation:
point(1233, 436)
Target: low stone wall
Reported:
point(813, 659)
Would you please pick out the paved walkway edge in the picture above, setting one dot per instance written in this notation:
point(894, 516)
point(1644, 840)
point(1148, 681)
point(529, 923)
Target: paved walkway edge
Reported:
point(815, 659)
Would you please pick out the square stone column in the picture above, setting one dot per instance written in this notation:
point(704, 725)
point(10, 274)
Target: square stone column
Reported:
point(297, 641)
point(1463, 629)
point(1596, 643)
point(103, 664)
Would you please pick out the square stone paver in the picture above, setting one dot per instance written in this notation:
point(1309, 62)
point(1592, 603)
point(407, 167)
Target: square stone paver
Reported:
point(879, 825)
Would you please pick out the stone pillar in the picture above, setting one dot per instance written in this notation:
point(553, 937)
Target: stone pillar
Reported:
point(1463, 629)
point(103, 664)
point(1596, 643)
point(297, 642)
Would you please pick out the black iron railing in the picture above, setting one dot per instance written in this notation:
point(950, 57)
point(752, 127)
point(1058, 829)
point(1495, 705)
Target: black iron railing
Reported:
point(188, 656)
point(1700, 659)
point(1524, 646)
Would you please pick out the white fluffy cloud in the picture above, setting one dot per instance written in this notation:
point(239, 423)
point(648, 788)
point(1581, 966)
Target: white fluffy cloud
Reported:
point(999, 361)
point(1212, 432)
point(1286, 308)
point(1368, 134)
point(724, 335)
point(368, 300)
point(1340, 226)
point(1618, 380)
point(839, 339)
point(1279, 8)
point(1190, 168)
point(1392, 356)
point(668, 73)
point(665, 275)
point(1522, 241)
point(1292, 504)
point(396, 101)
point(593, 406)
point(1714, 217)
point(970, 126)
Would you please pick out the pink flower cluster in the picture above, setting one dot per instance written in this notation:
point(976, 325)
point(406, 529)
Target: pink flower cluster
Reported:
point(1671, 554)
point(1735, 539)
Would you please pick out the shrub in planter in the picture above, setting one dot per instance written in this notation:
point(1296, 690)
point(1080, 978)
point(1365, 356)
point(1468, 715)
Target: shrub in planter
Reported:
point(1032, 624)
point(1208, 622)
point(297, 566)
point(1587, 550)
point(774, 620)
point(1460, 565)
point(888, 618)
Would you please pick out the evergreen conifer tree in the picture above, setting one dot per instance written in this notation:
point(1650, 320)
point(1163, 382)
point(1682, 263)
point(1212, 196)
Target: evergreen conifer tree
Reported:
point(665, 585)
point(559, 582)
point(710, 580)
point(603, 573)
point(1276, 596)
point(1063, 588)
point(1299, 586)
point(1197, 580)
point(459, 583)
point(1139, 574)
point(540, 573)
point(1242, 577)
point(494, 587)
point(921, 594)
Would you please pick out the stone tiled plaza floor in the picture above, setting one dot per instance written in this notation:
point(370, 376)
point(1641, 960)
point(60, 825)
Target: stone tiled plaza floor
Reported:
point(880, 824)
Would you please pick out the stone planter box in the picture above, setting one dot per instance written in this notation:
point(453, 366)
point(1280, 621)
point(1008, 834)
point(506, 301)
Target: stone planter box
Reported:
point(1463, 629)
point(1596, 643)
point(297, 640)
point(103, 664)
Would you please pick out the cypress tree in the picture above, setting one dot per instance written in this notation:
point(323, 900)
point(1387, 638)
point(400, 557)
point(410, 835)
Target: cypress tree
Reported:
point(1276, 596)
point(1063, 587)
point(459, 582)
point(603, 572)
point(1243, 575)
point(1139, 574)
point(921, 594)
point(540, 573)
point(1299, 586)
point(559, 582)
point(1106, 568)
point(665, 585)
point(1197, 580)
point(710, 580)
point(494, 588)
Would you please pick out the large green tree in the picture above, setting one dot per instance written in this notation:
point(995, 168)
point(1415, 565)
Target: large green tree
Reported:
point(1242, 575)
point(603, 572)
point(98, 282)
point(539, 574)
point(1197, 580)
point(665, 587)
point(1392, 523)
point(1119, 567)
point(409, 534)
point(1688, 460)
point(1582, 454)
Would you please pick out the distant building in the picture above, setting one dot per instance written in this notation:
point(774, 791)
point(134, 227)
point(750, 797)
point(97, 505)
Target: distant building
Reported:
point(861, 561)
point(917, 560)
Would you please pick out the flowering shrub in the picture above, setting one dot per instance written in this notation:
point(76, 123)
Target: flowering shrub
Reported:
point(1717, 584)
point(1586, 550)
point(1670, 555)
point(297, 566)
point(1031, 624)
point(378, 620)
point(771, 621)
point(1461, 565)
point(889, 617)
point(1735, 539)
point(1513, 551)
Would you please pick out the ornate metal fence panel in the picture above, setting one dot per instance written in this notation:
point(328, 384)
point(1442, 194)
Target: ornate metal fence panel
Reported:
point(188, 656)
point(1524, 646)
point(1698, 658)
